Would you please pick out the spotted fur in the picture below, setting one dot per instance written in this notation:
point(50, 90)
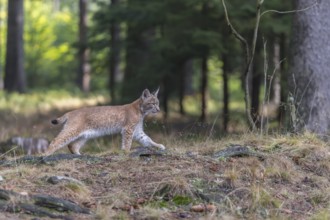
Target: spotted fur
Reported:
point(91, 122)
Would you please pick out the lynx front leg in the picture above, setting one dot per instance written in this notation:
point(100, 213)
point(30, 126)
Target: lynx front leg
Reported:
point(146, 141)
point(127, 137)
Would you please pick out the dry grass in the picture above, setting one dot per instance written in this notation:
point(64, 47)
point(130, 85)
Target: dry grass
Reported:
point(291, 183)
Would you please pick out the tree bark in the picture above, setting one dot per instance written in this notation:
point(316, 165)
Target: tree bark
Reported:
point(83, 53)
point(1, 78)
point(15, 79)
point(182, 86)
point(225, 70)
point(310, 67)
point(114, 54)
point(38, 204)
point(56, 5)
point(203, 89)
point(188, 76)
point(165, 96)
point(185, 84)
point(276, 85)
point(255, 94)
point(284, 85)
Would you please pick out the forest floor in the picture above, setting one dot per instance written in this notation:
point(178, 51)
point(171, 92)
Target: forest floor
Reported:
point(290, 181)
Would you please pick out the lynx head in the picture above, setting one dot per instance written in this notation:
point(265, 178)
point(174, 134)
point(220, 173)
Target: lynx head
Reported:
point(150, 102)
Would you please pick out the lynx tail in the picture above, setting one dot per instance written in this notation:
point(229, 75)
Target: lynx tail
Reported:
point(59, 120)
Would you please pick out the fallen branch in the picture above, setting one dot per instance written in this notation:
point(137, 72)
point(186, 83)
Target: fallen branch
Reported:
point(58, 204)
point(49, 159)
point(40, 205)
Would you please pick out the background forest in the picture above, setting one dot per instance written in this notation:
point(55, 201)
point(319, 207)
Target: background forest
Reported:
point(185, 47)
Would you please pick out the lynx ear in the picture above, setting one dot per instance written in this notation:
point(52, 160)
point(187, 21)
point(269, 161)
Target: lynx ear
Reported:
point(156, 92)
point(145, 94)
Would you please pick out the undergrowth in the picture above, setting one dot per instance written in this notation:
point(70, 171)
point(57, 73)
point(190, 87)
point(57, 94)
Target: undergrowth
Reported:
point(291, 181)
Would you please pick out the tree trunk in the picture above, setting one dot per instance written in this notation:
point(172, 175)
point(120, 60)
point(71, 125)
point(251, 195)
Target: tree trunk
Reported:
point(182, 85)
point(166, 82)
point(276, 85)
point(114, 54)
point(1, 78)
point(310, 67)
point(185, 84)
point(225, 71)
point(255, 92)
point(56, 5)
point(283, 80)
point(15, 79)
point(188, 76)
point(204, 89)
point(83, 53)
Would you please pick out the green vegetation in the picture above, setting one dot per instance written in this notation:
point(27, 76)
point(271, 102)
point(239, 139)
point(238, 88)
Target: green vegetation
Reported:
point(44, 101)
point(51, 44)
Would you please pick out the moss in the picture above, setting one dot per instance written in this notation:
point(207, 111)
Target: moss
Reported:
point(182, 200)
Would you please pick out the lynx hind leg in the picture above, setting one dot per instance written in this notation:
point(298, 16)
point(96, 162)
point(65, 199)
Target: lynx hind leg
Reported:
point(61, 140)
point(146, 141)
point(75, 146)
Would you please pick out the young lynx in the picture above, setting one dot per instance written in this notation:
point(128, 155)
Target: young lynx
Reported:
point(90, 122)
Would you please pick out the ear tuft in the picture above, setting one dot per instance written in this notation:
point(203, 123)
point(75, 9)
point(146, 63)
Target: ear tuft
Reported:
point(156, 92)
point(145, 94)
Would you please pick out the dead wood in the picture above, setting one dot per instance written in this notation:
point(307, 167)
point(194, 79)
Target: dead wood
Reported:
point(49, 159)
point(58, 204)
point(40, 205)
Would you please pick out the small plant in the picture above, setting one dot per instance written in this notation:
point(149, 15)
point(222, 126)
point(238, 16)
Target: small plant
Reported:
point(323, 214)
point(231, 176)
point(319, 197)
point(182, 200)
point(77, 190)
point(263, 199)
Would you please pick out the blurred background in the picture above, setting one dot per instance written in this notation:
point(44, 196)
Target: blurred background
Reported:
point(79, 52)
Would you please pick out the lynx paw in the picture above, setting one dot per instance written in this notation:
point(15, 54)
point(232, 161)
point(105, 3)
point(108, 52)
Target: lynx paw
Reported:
point(162, 147)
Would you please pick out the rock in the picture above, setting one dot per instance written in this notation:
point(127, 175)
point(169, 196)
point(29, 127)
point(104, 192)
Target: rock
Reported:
point(203, 208)
point(57, 179)
point(191, 154)
point(237, 150)
point(184, 215)
point(146, 152)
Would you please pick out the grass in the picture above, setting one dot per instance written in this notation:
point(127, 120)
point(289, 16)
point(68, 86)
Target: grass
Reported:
point(292, 182)
point(45, 101)
point(274, 188)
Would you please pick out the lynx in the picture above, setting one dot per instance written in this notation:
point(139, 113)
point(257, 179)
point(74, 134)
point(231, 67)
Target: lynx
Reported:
point(83, 124)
